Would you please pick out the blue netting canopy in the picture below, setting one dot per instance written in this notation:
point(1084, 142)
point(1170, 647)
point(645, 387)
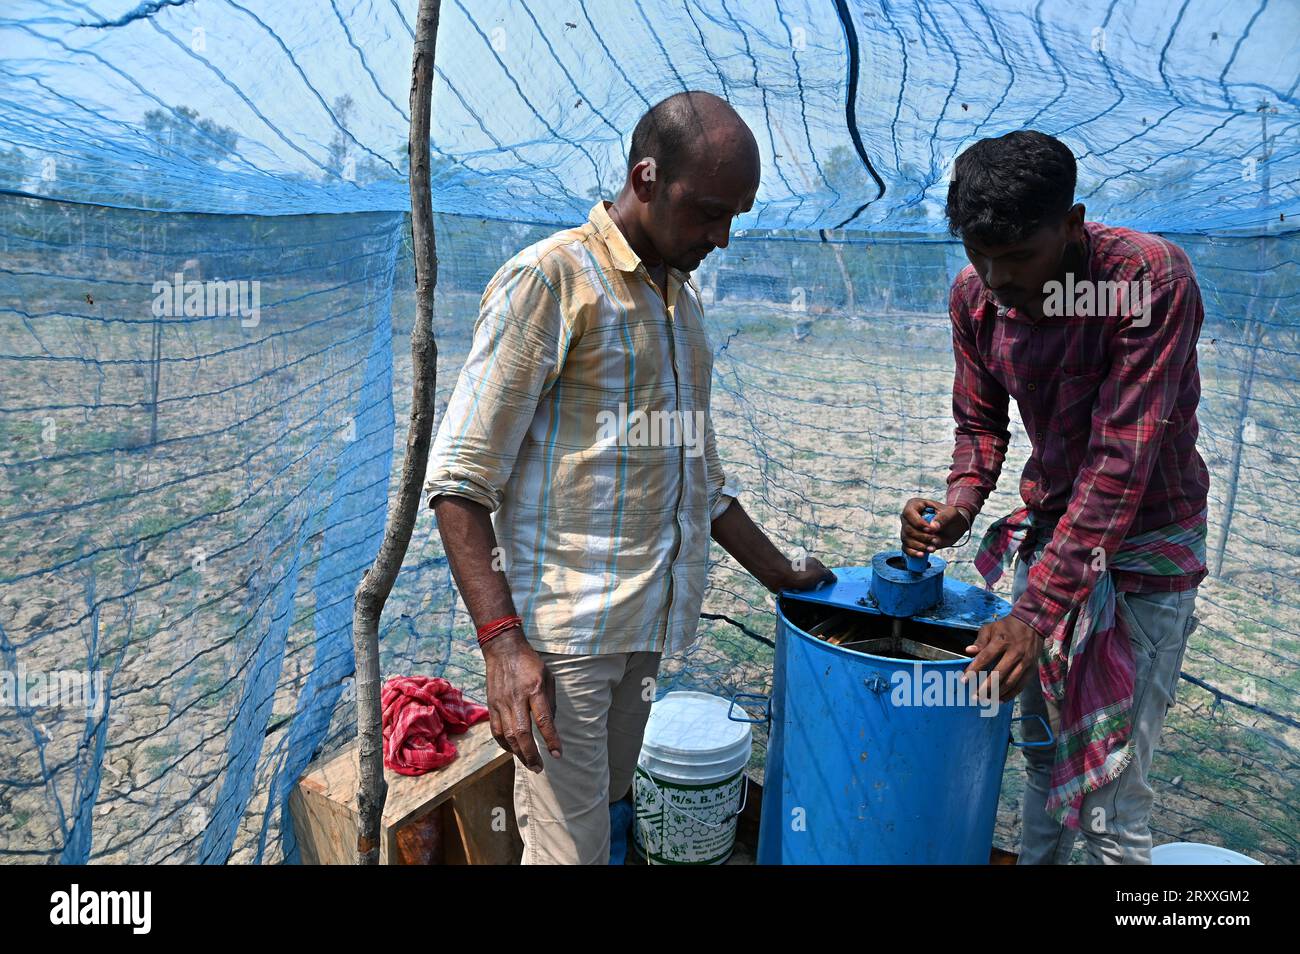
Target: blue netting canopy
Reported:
point(192, 490)
point(858, 108)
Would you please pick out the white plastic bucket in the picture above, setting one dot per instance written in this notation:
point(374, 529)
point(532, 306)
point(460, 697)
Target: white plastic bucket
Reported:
point(1191, 853)
point(690, 781)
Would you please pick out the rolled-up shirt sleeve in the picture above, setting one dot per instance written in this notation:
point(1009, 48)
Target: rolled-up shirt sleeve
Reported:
point(722, 489)
point(520, 341)
point(980, 407)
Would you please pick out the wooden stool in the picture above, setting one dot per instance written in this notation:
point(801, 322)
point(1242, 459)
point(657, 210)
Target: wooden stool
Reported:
point(462, 813)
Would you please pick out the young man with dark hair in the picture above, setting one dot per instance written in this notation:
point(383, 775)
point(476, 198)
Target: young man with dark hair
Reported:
point(1092, 329)
point(576, 479)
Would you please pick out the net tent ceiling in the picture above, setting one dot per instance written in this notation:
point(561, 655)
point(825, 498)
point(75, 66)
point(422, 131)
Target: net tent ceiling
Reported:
point(192, 497)
point(273, 108)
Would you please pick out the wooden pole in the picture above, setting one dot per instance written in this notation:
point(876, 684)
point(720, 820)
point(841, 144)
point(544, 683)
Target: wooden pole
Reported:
point(377, 582)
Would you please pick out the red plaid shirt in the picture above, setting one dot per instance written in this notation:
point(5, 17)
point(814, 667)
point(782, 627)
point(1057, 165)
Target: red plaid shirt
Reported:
point(1109, 403)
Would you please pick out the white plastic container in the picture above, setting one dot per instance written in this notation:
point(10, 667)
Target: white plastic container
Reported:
point(1192, 853)
point(690, 780)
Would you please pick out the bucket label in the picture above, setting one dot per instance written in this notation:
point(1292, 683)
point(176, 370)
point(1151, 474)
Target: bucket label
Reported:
point(680, 824)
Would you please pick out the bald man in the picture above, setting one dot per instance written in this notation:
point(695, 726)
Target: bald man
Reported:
point(576, 479)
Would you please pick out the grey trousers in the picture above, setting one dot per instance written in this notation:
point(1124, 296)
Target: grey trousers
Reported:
point(1115, 819)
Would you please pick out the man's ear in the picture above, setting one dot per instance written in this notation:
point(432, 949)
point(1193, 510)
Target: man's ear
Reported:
point(1074, 223)
point(644, 178)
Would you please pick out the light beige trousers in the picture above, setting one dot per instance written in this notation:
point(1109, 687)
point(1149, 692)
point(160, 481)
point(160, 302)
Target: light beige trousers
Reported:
point(601, 707)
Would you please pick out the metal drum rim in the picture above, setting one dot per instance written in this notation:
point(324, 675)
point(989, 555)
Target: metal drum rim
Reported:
point(858, 654)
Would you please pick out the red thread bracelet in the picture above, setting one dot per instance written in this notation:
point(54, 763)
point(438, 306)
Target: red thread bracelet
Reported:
point(497, 627)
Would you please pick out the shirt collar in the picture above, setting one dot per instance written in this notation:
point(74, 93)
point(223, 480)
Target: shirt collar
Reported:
point(620, 252)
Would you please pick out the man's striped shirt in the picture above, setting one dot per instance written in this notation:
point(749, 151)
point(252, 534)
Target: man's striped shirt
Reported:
point(581, 420)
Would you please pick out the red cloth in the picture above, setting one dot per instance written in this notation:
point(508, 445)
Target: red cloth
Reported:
point(419, 713)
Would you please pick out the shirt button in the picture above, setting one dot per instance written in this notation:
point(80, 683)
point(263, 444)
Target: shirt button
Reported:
point(1033, 387)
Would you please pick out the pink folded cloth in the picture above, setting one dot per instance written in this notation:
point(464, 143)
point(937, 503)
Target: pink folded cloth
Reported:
point(419, 714)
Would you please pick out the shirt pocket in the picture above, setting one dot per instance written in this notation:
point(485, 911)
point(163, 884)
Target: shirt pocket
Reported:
point(1159, 626)
point(1076, 394)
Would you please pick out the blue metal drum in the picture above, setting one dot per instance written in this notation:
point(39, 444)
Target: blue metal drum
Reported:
point(876, 753)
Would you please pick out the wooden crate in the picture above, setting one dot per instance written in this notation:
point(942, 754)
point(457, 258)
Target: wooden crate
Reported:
point(463, 813)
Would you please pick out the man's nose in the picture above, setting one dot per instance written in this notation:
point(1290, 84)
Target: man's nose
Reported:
point(997, 277)
point(719, 237)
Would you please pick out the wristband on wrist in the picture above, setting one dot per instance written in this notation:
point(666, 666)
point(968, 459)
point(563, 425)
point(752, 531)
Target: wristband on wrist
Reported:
point(498, 626)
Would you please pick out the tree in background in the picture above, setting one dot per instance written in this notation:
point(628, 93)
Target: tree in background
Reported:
point(184, 133)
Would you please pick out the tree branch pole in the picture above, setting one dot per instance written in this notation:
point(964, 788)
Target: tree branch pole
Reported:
point(377, 582)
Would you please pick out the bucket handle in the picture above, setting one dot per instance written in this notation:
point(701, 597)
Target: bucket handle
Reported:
point(1051, 738)
point(755, 697)
point(664, 800)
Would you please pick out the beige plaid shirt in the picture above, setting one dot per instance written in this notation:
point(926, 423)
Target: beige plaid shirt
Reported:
point(581, 420)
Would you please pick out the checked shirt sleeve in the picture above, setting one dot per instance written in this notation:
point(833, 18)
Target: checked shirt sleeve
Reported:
point(979, 406)
point(1135, 404)
point(520, 342)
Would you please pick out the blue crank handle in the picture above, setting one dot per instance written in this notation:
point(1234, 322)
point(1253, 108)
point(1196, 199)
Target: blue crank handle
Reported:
point(921, 564)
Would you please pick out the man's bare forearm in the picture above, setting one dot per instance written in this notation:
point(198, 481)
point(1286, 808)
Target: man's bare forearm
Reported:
point(740, 536)
point(520, 690)
point(471, 544)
